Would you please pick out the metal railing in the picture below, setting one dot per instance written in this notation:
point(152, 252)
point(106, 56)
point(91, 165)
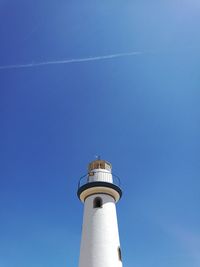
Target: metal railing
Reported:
point(85, 179)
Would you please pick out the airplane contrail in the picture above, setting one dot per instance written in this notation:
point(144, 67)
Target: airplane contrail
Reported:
point(68, 61)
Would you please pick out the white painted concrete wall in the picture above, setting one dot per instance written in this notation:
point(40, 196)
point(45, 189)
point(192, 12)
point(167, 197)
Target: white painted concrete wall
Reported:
point(100, 237)
point(101, 175)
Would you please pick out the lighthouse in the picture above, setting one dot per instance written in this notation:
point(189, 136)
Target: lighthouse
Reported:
point(99, 191)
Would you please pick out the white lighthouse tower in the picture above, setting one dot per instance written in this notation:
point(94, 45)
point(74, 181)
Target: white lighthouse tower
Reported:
point(100, 245)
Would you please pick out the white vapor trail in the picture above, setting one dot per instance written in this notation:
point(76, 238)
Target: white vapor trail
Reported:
point(68, 61)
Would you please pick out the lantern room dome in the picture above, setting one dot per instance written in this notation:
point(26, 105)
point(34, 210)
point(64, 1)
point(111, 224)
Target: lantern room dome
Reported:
point(99, 164)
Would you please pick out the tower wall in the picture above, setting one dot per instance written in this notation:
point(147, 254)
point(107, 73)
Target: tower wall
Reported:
point(100, 245)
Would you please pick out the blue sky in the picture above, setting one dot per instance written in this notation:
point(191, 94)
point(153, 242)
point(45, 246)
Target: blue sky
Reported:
point(141, 113)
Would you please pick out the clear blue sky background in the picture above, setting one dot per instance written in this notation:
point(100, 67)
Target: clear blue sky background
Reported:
point(140, 112)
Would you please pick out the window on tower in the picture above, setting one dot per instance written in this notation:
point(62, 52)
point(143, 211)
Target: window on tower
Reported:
point(119, 254)
point(97, 203)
